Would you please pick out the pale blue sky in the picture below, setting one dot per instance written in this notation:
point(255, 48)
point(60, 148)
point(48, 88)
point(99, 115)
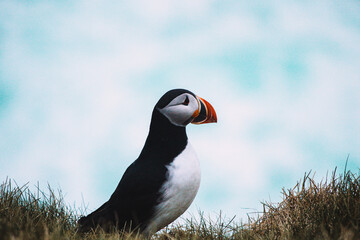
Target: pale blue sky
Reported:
point(79, 79)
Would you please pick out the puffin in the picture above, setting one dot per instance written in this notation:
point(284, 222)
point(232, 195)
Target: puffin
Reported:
point(162, 182)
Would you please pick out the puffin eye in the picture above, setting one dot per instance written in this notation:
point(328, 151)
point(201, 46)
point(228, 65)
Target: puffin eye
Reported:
point(186, 102)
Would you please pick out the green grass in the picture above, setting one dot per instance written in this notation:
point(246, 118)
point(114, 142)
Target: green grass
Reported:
point(326, 210)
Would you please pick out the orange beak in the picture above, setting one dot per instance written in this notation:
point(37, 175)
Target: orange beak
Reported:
point(205, 114)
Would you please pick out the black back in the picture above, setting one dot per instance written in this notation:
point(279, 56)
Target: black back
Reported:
point(139, 191)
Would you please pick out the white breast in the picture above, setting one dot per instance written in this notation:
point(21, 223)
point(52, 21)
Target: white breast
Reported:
point(178, 191)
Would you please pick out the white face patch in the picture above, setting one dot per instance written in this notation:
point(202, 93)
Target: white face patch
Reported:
point(180, 109)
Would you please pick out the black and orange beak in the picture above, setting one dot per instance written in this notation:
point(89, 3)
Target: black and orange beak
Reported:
point(205, 114)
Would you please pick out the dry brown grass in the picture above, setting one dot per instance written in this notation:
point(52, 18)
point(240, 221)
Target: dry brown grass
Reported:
point(326, 210)
point(329, 209)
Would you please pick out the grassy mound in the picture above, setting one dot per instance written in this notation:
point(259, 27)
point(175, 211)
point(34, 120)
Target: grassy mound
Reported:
point(27, 215)
point(329, 210)
point(326, 210)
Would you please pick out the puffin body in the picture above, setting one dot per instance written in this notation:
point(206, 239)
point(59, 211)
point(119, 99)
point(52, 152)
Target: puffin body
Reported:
point(179, 190)
point(163, 181)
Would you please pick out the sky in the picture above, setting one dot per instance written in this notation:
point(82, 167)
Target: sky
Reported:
point(79, 79)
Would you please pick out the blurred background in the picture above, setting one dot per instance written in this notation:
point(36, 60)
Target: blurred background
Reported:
point(79, 79)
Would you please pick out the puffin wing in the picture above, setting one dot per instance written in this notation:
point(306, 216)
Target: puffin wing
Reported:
point(133, 202)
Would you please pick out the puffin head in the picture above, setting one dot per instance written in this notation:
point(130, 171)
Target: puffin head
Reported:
point(181, 107)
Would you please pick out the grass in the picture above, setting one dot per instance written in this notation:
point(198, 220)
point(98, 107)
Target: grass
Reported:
point(329, 209)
